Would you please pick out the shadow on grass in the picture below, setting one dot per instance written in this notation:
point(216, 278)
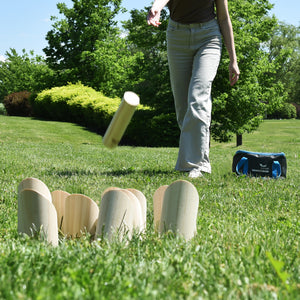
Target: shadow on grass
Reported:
point(112, 173)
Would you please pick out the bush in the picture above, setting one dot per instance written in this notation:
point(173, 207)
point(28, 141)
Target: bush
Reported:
point(297, 106)
point(2, 109)
point(18, 104)
point(286, 111)
point(83, 105)
point(76, 103)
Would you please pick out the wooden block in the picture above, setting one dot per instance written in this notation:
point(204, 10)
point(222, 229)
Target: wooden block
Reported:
point(137, 212)
point(143, 203)
point(116, 215)
point(112, 188)
point(35, 185)
point(36, 214)
point(121, 120)
point(180, 208)
point(58, 200)
point(158, 198)
point(80, 215)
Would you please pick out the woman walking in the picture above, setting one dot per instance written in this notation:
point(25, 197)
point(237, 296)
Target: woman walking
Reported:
point(194, 50)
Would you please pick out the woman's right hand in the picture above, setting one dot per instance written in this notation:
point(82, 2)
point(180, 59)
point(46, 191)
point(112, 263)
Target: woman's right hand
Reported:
point(153, 17)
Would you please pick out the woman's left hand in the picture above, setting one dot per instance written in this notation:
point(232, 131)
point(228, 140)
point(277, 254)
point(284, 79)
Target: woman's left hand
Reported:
point(234, 73)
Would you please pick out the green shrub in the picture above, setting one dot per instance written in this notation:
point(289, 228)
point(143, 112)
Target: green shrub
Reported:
point(76, 103)
point(2, 109)
point(165, 130)
point(297, 106)
point(18, 104)
point(83, 105)
point(286, 111)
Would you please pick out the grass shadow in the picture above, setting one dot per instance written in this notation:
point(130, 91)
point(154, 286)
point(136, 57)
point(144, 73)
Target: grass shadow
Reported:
point(113, 173)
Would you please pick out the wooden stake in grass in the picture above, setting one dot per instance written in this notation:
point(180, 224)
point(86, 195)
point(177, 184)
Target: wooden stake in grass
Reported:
point(158, 198)
point(35, 185)
point(80, 215)
point(143, 206)
point(121, 120)
point(179, 209)
point(116, 215)
point(37, 215)
point(58, 200)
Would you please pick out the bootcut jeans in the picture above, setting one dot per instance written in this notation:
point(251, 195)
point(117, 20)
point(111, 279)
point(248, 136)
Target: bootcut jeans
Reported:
point(194, 52)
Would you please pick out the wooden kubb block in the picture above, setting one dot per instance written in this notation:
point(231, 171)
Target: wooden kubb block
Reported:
point(58, 200)
point(120, 214)
point(158, 198)
point(80, 215)
point(36, 213)
point(180, 209)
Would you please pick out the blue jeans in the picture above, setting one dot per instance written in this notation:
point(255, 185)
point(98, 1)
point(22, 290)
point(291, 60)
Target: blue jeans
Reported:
point(194, 52)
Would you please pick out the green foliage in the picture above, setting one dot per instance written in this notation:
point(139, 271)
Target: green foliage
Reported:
point(18, 104)
point(24, 72)
point(83, 105)
point(240, 219)
point(2, 109)
point(73, 38)
point(284, 46)
point(151, 68)
point(241, 108)
point(114, 66)
point(76, 103)
point(165, 130)
point(235, 110)
point(285, 111)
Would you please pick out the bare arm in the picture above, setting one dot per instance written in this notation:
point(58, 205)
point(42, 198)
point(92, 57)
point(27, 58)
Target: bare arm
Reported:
point(154, 13)
point(227, 32)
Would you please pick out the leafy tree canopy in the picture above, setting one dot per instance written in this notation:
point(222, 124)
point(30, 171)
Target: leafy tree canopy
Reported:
point(74, 38)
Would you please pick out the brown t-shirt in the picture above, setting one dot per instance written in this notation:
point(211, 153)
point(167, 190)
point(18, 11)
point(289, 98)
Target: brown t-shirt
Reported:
point(191, 11)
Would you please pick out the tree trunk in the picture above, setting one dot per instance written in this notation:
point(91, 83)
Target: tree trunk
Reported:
point(239, 140)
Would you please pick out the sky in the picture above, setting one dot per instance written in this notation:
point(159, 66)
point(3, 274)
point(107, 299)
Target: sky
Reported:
point(25, 23)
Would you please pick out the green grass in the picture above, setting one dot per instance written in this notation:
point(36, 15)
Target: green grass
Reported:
point(248, 241)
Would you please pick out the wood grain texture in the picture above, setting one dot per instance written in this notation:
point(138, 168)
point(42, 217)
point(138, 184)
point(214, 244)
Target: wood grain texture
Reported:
point(116, 215)
point(120, 120)
point(158, 198)
point(80, 215)
point(37, 215)
point(58, 200)
point(180, 209)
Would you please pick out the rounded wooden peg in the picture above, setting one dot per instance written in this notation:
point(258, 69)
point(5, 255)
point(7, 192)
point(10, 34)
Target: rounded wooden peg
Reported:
point(36, 214)
point(116, 215)
point(143, 203)
point(158, 198)
point(35, 184)
point(58, 200)
point(112, 188)
point(137, 212)
point(180, 209)
point(80, 215)
point(121, 119)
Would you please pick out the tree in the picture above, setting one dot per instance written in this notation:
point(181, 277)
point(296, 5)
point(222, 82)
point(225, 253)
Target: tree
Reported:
point(235, 110)
point(151, 69)
point(24, 72)
point(241, 108)
point(285, 45)
point(73, 40)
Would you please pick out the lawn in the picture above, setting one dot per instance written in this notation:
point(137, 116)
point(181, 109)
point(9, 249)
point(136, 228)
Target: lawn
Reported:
point(248, 240)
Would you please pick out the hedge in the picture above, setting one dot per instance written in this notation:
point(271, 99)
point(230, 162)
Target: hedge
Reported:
point(83, 105)
point(286, 111)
